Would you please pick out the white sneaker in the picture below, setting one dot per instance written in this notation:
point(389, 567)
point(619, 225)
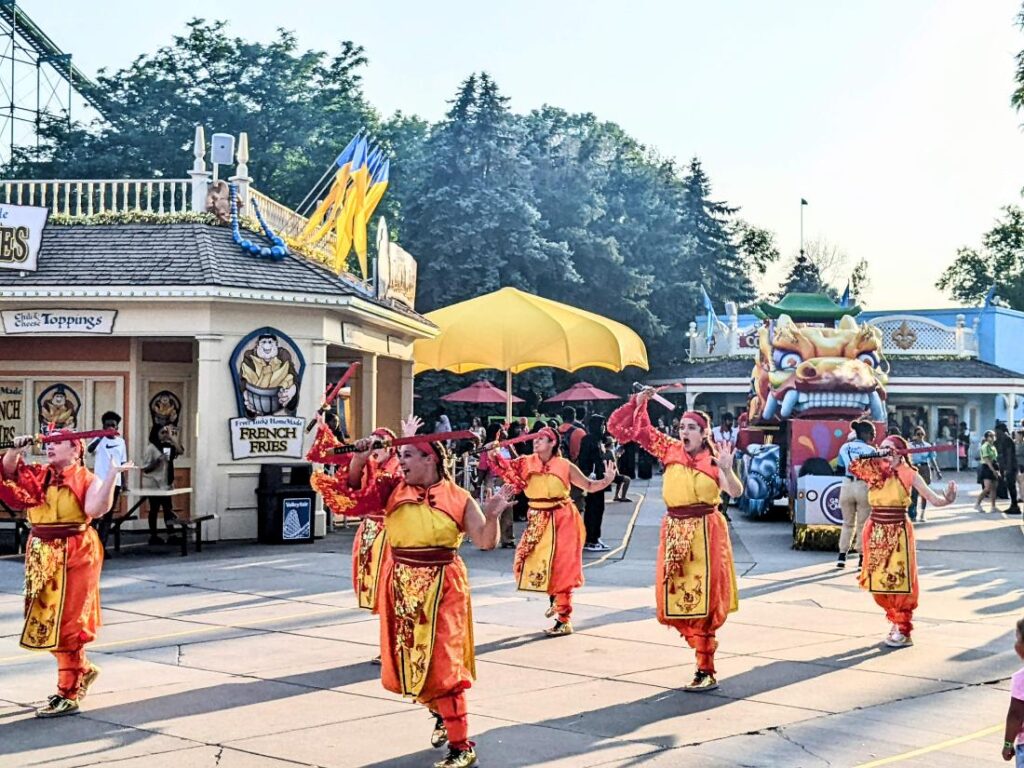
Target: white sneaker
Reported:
point(601, 546)
point(591, 548)
point(897, 639)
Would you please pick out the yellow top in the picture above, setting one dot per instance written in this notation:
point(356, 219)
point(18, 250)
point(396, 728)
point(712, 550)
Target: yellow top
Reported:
point(418, 525)
point(61, 507)
point(545, 486)
point(683, 486)
point(891, 494)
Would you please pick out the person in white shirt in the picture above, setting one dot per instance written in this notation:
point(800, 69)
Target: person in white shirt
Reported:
point(725, 432)
point(109, 452)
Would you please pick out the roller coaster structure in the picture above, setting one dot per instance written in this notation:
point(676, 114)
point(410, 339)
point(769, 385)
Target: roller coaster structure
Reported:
point(33, 73)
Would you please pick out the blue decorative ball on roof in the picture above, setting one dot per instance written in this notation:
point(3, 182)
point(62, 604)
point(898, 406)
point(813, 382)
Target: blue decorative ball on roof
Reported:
point(279, 241)
point(254, 249)
point(277, 252)
point(246, 244)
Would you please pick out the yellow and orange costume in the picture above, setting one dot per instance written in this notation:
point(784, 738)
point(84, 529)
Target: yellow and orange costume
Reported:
point(549, 557)
point(426, 628)
point(889, 571)
point(370, 549)
point(62, 567)
point(695, 579)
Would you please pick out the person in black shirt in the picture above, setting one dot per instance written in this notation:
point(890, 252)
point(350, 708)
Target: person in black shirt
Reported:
point(1008, 465)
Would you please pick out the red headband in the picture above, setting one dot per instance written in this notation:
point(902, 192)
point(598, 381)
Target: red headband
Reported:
point(897, 442)
point(697, 416)
point(549, 433)
point(384, 432)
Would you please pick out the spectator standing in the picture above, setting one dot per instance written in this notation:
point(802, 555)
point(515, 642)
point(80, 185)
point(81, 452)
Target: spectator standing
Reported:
point(1008, 465)
point(158, 475)
point(570, 435)
point(924, 463)
point(853, 494)
point(591, 464)
point(110, 452)
point(988, 470)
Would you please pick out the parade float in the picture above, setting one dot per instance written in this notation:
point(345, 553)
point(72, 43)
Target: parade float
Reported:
point(816, 370)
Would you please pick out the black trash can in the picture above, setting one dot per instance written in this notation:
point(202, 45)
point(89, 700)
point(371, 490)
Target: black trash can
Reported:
point(285, 504)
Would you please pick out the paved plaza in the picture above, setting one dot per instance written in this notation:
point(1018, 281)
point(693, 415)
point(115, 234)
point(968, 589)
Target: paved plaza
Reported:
point(248, 655)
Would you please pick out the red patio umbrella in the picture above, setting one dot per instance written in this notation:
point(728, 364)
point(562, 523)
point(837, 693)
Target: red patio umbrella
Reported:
point(580, 391)
point(480, 392)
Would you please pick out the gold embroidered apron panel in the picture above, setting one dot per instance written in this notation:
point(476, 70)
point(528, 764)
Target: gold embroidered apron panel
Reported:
point(539, 538)
point(417, 597)
point(369, 557)
point(889, 568)
point(46, 571)
point(687, 568)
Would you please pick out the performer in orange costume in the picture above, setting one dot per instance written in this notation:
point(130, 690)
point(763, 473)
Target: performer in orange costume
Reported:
point(426, 629)
point(695, 580)
point(549, 557)
point(62, 561)
point(370, 548)
point(889, 570)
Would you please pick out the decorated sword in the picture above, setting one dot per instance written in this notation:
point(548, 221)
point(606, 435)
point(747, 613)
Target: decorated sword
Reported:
point(60, 437)
point(524, 438)
point(435, 437)
point(332, 395)
point(906, 451)
point(638, 387)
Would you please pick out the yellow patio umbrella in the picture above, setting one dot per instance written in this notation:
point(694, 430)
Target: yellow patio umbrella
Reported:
point(513, 331)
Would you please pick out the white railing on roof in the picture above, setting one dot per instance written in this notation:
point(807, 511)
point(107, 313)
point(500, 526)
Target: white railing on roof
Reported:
point(902, 336)
point(85, 197)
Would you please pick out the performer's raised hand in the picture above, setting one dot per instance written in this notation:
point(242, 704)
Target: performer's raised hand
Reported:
point(364, 446)
point(950, 494)
point(645, 394)
point(726, 453)
point(411, 425)
point(23, 442)
point(499, 501)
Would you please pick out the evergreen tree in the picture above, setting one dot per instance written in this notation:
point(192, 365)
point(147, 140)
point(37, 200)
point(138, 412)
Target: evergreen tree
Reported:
point(803, 277)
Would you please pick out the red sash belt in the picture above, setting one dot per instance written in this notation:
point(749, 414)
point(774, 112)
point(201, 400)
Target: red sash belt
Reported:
point(691, 510)
point(888, 514)
point(420, 556)
point(58, 531)
point(550, 503)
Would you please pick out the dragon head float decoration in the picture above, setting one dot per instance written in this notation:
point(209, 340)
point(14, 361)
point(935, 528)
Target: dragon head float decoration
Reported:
point(810, 372)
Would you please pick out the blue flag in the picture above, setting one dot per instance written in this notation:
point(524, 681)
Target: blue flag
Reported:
point(990, 295)
point(711, 319)
point(845, 301)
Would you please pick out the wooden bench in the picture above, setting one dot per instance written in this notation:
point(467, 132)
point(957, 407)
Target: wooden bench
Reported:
point(184, 528)
point(181, 528)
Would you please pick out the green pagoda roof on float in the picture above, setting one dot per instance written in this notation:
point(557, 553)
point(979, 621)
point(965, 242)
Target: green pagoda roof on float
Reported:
point(804, 307)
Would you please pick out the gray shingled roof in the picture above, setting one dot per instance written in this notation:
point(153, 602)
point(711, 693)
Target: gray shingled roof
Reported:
point(900, 368)
point(173, 255)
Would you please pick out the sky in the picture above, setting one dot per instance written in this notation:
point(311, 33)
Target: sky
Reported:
point(891, 119)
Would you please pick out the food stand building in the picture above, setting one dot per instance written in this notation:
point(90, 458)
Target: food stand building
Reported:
point(138, 304)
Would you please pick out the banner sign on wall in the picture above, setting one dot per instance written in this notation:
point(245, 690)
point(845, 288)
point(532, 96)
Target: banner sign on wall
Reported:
point(12, 397)
point(266, 436)
point(96, 321)
point(21, 232)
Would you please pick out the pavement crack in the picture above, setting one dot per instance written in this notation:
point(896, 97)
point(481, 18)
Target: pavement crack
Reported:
point(782, 735)
point(217, 757)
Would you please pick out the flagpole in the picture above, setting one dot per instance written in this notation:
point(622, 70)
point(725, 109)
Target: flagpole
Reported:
point(802, 204)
